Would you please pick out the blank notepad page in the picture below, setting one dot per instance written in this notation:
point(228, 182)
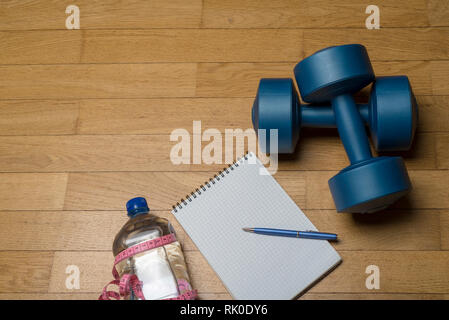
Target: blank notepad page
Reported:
point(253, 266)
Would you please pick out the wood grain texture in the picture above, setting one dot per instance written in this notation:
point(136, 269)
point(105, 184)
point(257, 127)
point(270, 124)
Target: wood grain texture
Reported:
point(157, 153)
point(109, 191)
point(150, 116)
point(49, 296)
point(144, 46)
point(435, 182)
point(312, 14)
point(97, 81)
point(438, 12)
point(215, 80)
point(227, 296)
point(193, 45)
point(101, 14)
point(442, 151)
point(385, 44)
point(241, 79)
point(444, 231)
point(428, 269)
point(25, 271)
point(374, 296)
point(38, 117)
point(32, 191)
point(440, 74)
point(34, 47)
point(389, 230)
point(433, 113)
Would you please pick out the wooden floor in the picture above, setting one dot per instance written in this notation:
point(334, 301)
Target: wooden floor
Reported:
point(85, 119)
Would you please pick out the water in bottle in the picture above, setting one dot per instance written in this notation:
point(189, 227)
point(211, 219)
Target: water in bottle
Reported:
point(162, 270)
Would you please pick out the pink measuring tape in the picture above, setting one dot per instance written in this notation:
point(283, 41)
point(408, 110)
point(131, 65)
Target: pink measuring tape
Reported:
point(130, 281)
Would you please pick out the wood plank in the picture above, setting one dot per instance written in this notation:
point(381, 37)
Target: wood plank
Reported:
point(25, 271)
point(242, 79)
point(49, 296)
point(385, 44)
point(440, 74)
point(438, 12)
point(317, 146)
point(60, 230)
point(444, 230)
point(374, 296)
point(43, 230)
point(150, 116)
point(110, 191)
point(38, 117)
point(97, 81)
point(433, 113)
point(155, 45)
point(236, 79)
point(310, 14)
point(214, 296)
point(429, 190)
point(227, 296)
point(426, 272)
point(169, 80)
point(442, 152)
point(119, 153)
point(85, 153)
point(197, 45)
point(387, 230)
point(41, 47)
point(105, 14)
point(419, 73)
point(32, 191)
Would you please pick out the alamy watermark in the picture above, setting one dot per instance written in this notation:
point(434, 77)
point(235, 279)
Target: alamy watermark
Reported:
point(73, 20)
point(373, 20)
point(373, 280)
point(219, 147)
point(73, 279)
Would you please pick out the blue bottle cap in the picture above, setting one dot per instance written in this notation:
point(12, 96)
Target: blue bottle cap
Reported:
point(137, 206)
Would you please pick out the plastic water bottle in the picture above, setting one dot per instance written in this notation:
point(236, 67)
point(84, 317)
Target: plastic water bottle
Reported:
point(162, 270)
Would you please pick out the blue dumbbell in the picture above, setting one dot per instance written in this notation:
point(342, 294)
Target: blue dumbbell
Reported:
point(368, 184)
point(391, 113)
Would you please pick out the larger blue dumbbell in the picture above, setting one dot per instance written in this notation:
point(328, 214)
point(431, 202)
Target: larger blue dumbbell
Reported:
point(369, 184)
point(391, 113)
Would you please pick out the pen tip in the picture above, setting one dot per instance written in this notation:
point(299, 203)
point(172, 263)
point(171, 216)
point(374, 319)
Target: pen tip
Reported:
point(248, 229)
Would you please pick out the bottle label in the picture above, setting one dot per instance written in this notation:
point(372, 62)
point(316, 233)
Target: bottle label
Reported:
point(128, 281)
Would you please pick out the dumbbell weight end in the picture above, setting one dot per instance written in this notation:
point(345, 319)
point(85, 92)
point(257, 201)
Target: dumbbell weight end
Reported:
point(370, 186)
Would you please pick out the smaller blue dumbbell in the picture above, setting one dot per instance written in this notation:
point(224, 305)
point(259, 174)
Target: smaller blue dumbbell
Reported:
point(391, 114)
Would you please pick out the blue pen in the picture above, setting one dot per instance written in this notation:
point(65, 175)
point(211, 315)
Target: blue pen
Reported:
point(293, 234)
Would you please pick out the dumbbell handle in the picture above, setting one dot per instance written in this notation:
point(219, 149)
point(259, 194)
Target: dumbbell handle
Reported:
point(318, 116)
point(351, 129)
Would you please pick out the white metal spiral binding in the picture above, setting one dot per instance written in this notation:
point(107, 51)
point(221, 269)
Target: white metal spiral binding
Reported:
point(209, 183)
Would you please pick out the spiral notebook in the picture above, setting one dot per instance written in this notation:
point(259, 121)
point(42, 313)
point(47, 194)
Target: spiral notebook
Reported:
point(253, 266)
